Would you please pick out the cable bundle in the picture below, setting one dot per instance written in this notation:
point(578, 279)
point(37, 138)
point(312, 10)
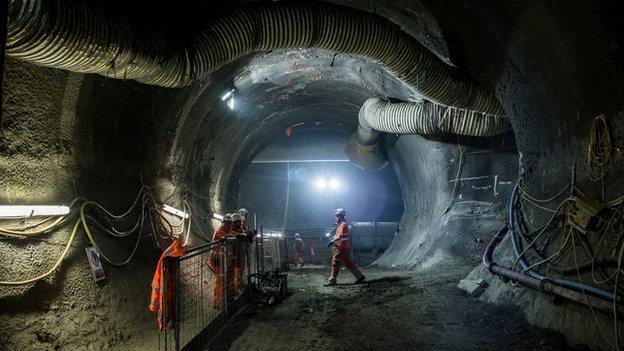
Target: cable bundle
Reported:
point(600, 149)
point(142, 219)
point(589, 261)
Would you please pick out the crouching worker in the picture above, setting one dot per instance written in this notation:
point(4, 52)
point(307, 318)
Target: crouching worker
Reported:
point(341, 250)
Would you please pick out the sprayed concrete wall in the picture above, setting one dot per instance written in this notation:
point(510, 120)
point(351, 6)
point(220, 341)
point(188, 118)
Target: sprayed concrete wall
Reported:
point(63, 136)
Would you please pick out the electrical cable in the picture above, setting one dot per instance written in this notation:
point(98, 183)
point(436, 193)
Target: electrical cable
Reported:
point(54, 267)
point(83, 220)
point(460, 151)
point(21, 233)
point(600, 149)
point(559, 281)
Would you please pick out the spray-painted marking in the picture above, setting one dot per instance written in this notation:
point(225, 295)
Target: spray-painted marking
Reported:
point(481, 187)
point(495, 184)
point(468, 178)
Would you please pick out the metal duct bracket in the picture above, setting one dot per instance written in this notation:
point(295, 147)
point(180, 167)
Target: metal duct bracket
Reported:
point(368, 157)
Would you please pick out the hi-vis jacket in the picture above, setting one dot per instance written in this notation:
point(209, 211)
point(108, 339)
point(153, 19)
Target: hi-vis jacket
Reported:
point(162, 298)
point(341, 239)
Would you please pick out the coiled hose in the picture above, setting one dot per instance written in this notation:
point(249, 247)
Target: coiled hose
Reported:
point(80, 37)
point(424, 118)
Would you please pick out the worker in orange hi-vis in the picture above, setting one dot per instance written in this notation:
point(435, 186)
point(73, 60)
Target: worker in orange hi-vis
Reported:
point(215, 260)
point(341, 250)
point(298, 250)
point(239, 248)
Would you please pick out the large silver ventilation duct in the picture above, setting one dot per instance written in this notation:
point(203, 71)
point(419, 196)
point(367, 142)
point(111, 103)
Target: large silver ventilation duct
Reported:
point(77, 35)
point(424, 118)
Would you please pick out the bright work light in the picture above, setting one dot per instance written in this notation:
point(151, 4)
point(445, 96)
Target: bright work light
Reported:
point(320, 183)
point(19, 211)
point(174, 211)
point(227, 95)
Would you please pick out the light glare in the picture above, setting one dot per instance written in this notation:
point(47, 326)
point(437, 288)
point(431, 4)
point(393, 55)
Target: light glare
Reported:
point(230, 103)
point(227, 95)
point(320, 183)
point(18, 211)
point(334, 184)
point(174, 211)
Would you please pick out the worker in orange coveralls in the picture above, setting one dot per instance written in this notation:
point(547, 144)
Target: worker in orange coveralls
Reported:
point(216, 260)
point(341, 250)
point(239, 248)
point(298, 250)
point(162, 297)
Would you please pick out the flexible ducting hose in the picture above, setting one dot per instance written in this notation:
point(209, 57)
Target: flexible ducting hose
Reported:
point(79, 36)
point(424, 118)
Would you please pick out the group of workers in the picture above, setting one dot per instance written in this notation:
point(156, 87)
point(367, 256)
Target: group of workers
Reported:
point(234, 226)
point(231, 262)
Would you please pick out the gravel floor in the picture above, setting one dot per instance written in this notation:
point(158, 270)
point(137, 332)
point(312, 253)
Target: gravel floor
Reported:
point(394, 310)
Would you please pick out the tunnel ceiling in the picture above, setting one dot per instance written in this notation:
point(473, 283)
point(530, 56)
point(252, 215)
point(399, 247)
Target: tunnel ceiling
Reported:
point(272, 92)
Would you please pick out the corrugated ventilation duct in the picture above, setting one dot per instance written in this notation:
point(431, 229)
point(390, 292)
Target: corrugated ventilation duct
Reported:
point(413, 118)
point(77, 35)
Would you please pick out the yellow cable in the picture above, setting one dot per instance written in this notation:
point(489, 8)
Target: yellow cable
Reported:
point(22, 233)
point(550, 199)
point(600, 150)
point(54, 267)
point(591, 308)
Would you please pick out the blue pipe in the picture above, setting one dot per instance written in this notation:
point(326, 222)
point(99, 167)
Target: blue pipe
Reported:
point(561, 282)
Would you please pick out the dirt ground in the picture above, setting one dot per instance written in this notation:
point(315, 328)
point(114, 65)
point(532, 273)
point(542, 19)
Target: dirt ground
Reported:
point(394, 310)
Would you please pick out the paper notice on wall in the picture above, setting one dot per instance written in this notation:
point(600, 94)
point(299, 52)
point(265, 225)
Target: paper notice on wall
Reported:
point(96, 264)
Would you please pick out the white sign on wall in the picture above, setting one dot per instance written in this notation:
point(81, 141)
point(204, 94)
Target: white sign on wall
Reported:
point(96, 264)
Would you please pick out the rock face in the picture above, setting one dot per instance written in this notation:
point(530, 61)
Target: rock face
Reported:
point(554, 66)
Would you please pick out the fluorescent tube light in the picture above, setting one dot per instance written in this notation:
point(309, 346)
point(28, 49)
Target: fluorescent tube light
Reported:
point(174, 211)
point(20, 211)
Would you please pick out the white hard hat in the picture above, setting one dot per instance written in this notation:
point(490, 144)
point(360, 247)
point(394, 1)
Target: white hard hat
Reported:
point(296, 235)
point(227, 217)
point(340, 212)
point(243, 212)
point(237, 217)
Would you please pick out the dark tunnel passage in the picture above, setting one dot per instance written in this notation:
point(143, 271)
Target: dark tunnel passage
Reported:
point(130, 130)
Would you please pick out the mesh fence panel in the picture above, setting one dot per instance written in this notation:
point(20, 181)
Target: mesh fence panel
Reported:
point(211, 283)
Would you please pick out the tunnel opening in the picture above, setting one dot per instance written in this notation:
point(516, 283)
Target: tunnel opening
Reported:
point(299, 179)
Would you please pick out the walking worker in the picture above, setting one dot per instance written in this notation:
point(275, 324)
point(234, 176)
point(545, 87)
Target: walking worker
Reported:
point(341, 250)
point(298, 249)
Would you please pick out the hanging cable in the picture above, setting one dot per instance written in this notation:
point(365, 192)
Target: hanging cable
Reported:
point(56, 264)
point(600, 149)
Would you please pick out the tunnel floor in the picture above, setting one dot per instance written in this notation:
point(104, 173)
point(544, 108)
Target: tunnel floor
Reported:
point(394, 310)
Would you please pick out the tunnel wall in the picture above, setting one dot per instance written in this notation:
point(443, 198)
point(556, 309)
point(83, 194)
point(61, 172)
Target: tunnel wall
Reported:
point(449, 209)
point(555, 67)
point(65, 135)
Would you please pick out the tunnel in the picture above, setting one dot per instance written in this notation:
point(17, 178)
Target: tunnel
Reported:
point(464, 155)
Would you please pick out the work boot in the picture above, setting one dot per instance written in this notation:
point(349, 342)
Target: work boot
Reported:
point(330, 282)
point(360, 280)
